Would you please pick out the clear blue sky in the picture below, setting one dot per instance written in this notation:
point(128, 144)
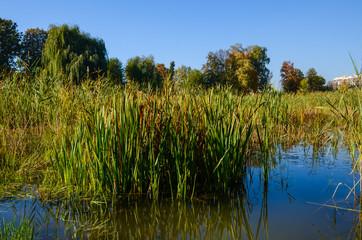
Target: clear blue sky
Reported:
point(318, 33)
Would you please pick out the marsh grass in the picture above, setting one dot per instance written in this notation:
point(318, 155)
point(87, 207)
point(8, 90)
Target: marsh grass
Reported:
point(98, 140)
point(181, 145)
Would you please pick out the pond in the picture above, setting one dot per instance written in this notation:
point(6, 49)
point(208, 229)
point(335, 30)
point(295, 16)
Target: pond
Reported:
point(305, 195)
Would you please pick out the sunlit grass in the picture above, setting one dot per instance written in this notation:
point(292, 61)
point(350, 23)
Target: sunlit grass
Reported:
point(101, 141)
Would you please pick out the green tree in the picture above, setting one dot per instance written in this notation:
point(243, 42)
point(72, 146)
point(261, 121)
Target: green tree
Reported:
point(260, 60)
point(9, 43)
point(303, 87)
point(115, 72)
point(291, 77)
point(171, 70)
point(242, 74)
point(142, 71)
point(315, 82)
point(72, 55)
point(195, 78)
point(243, 68)
point(214, 69)
point(32, 46)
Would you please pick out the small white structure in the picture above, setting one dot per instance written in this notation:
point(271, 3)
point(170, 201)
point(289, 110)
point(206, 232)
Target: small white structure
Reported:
point(353, 81)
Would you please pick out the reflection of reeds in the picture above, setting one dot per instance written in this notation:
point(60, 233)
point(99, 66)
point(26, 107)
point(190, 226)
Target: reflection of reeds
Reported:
point(212, 219)
point(348, 109)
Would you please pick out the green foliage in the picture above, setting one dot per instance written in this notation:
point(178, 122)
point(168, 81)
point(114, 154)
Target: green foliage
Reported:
point(180, 75)
point(32, 46)
point(171, 70)
point(260, 60)
point(195, 78)
point(150, 143)
point(9, 43)
point(243, 75)
point(243, 68)
point(214, 68)
point(123, 141)
point(315, 82)
point(72, 55)
point(22, 230)
point(115, 72)
point(304, 86)
point(141, 70)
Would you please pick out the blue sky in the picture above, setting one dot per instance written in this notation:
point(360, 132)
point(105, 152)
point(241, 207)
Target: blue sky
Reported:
point(318, 33)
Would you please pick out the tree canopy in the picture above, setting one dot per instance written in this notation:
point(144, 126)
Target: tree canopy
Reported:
point(9, 43)
point(214, 68)
point(144, 71)
point(115, 72)
point(315, 82)
point(32, 46)
point(72, 55)
point(291, 77)
point(243, 68)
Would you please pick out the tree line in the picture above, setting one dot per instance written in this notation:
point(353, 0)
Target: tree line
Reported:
point(293, 79)
point(64, 52)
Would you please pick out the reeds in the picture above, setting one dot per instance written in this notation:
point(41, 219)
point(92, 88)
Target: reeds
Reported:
point(180, 145)
point(22, 229)
point(99, 140)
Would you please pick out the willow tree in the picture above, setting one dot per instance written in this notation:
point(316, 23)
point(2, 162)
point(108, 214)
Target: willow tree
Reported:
point(72, 55)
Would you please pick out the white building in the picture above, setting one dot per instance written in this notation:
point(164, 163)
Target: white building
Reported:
point(350, 80)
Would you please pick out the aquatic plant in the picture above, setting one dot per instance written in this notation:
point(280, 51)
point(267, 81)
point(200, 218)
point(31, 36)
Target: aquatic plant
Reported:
point(97, 139)
point(21, 229)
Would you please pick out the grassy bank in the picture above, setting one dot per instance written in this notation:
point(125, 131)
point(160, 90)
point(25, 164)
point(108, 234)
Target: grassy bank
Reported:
point(99, 140)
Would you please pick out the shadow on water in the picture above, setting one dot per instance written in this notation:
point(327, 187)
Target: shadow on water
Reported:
point(291, 198)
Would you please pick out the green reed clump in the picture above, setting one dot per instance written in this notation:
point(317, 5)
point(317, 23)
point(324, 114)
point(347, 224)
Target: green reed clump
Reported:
point(148, 144)
point(22, 230)
point(97, 140)
point(180, 144)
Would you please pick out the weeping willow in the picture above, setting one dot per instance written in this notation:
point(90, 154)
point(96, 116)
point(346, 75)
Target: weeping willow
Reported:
point(72, 55)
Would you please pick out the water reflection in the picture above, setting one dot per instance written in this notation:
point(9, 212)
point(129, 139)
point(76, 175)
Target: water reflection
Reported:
point(285, 200)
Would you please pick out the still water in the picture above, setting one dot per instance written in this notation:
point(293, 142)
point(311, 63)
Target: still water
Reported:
point(301, 196)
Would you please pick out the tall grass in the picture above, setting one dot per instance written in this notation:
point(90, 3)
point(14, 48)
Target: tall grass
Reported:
point(178, 145)
point(100, 140)
point(141, 143)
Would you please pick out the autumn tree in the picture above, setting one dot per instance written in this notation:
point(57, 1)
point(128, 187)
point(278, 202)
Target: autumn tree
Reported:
point(72, 55)
point(315, 82)
point(240, 71)
point(115, 72)
point(32, 46)
point(291, 77)
point(9, 43)
point(161, 72)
